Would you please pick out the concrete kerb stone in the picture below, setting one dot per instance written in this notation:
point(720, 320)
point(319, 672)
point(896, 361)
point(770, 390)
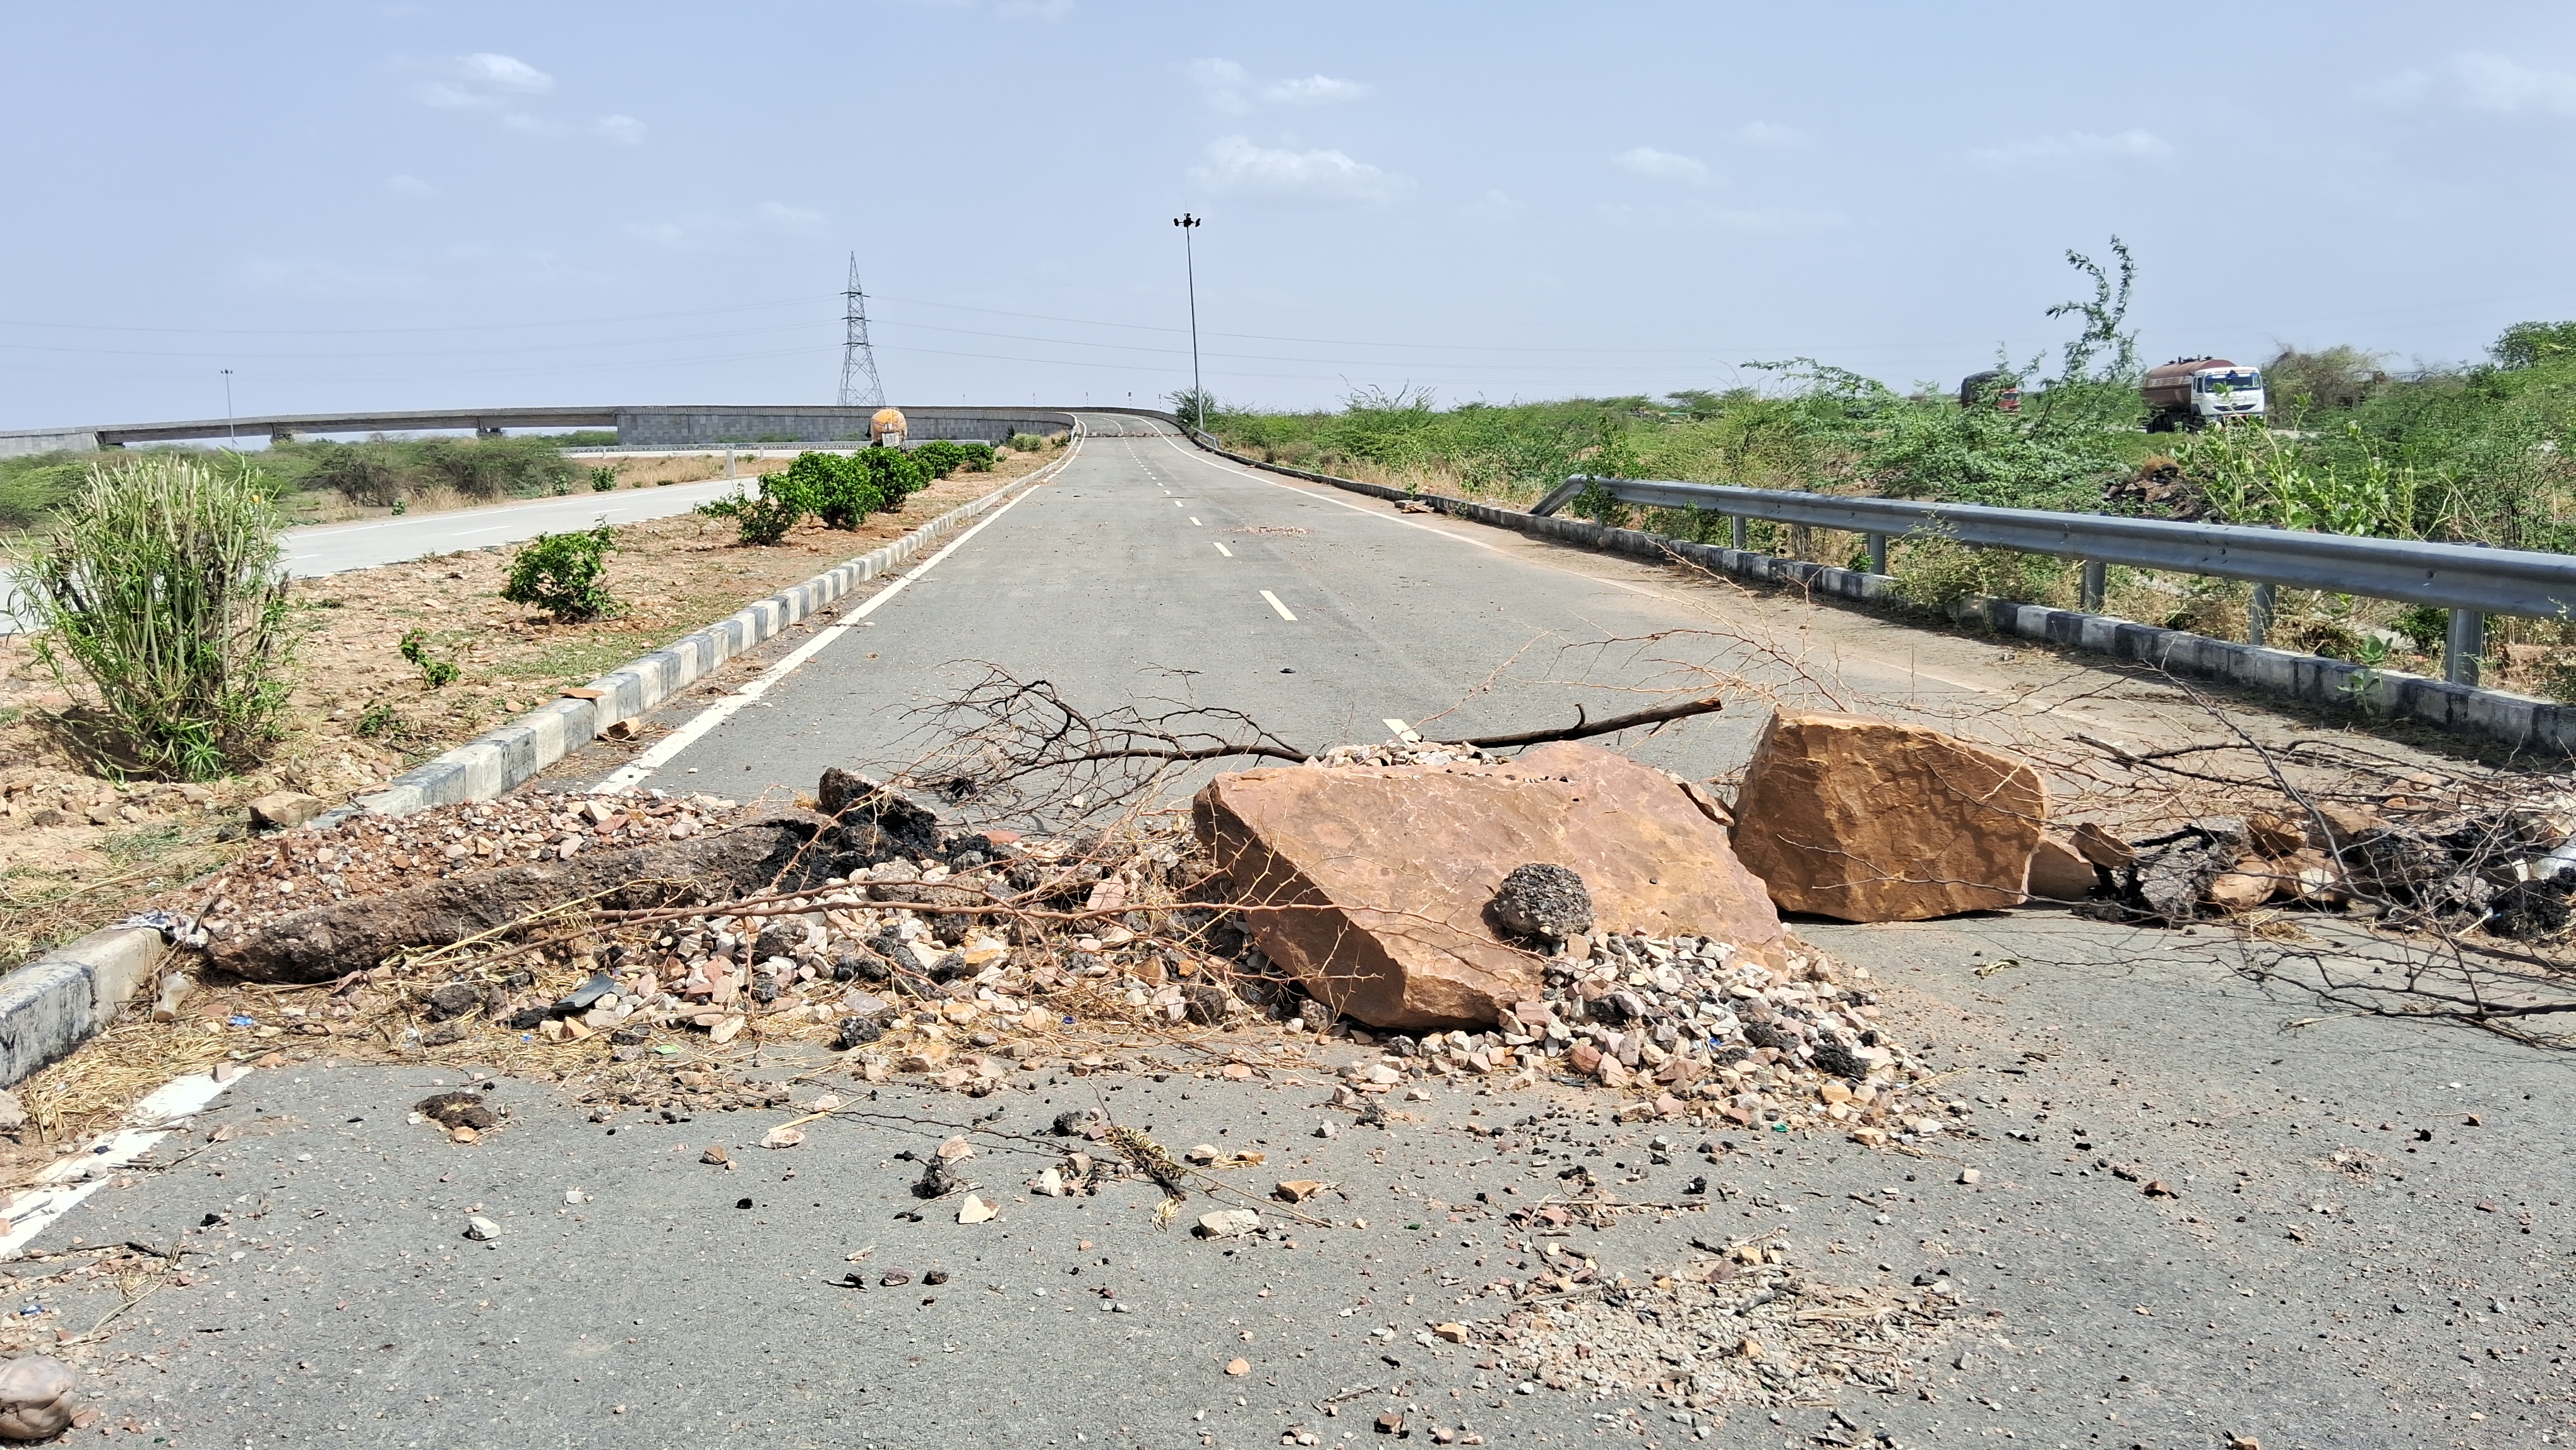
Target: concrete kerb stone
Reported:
point(63, 998)
point(51, 1005)
point(2514, 721)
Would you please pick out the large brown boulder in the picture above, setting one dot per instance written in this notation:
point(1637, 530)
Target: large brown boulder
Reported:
point(1870, 820)
point(1371, 884)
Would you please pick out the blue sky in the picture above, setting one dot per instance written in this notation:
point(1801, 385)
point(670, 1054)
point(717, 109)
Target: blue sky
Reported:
point(425, 205)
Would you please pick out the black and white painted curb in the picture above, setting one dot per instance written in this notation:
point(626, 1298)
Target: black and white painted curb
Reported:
point(53, 1004)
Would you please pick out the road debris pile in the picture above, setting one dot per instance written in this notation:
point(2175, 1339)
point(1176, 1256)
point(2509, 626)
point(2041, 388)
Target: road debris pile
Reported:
point(1742, 1328)
point(1546, 925)
point(2506, 868)
point(268, 917)
point(1675, 1021)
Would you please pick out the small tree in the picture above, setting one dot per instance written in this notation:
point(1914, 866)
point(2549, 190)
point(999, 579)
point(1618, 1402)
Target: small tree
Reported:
point(161, 588)
point(2103, 316)
point(561, 574)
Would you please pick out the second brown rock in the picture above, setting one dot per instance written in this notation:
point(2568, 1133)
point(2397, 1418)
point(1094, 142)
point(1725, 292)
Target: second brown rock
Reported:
point(1872, 820)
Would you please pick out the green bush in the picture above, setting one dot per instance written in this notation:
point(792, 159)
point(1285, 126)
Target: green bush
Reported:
point(893, 473)
point(380, 470)
point(1935, 572)
point(435, 672)
point(979, 457)
point(161, 585)
point(561, 573)
point(769, 515)
point(603, 479)
point(940, 457)
point(32, 488)
point(1031, 443)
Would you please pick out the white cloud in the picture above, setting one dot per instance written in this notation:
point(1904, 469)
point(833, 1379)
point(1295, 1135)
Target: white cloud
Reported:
point(483, 81)
point(506, 73)
point(2074, 150)
point(1228, 87)
point(1315, 90)
point(1656, 165)
point(778, 216)
point(1222, 84)
point(407, 185)
point(1767, 133)
point(1236, 165)
point(2478, 81)
point(503, 84)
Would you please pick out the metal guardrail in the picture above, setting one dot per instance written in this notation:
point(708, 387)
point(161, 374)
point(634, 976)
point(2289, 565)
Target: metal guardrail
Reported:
point(2470, 580)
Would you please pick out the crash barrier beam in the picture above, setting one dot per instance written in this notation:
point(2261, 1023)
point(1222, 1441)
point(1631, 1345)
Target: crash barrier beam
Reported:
point(2469, 580)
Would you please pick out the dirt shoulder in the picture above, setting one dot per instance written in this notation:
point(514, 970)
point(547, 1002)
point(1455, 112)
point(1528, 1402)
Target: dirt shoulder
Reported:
point(78, 850)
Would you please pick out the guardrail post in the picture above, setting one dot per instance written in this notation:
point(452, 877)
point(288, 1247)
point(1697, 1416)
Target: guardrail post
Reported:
point(1878, 553)
point(2089, 599)
point(1735, 531)
point(2258, 615)
point(2467, 641)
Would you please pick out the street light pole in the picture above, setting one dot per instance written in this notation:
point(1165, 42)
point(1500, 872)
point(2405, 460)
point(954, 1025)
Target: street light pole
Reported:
point(230, 436)
point(1189, 259)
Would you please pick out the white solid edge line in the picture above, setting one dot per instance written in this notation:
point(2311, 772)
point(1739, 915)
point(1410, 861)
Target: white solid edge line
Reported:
point(669, 746)
point(63, 1185)
point(1275, 604)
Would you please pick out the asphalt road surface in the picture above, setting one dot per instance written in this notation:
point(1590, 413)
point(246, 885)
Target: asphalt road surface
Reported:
point(337, 548)
point(2365, 1239)
point(1154, 574)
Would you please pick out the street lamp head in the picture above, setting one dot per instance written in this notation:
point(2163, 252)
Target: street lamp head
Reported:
point(1187, 220)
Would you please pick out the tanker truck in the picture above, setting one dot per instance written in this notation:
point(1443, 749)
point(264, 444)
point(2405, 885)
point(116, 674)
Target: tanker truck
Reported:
point(2195, 392)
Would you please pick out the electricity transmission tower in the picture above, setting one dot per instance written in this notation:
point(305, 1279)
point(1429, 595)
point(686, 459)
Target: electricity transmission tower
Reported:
point(860, 385)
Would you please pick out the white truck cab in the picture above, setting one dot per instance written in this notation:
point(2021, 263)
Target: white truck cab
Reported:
point(2196, 392)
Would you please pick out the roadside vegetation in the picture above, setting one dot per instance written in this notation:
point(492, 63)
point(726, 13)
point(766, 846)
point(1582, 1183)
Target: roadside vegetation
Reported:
point(158, 603)
point(388, 666)
point(841, 489)
point(321, 481)
point(2481, 452)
